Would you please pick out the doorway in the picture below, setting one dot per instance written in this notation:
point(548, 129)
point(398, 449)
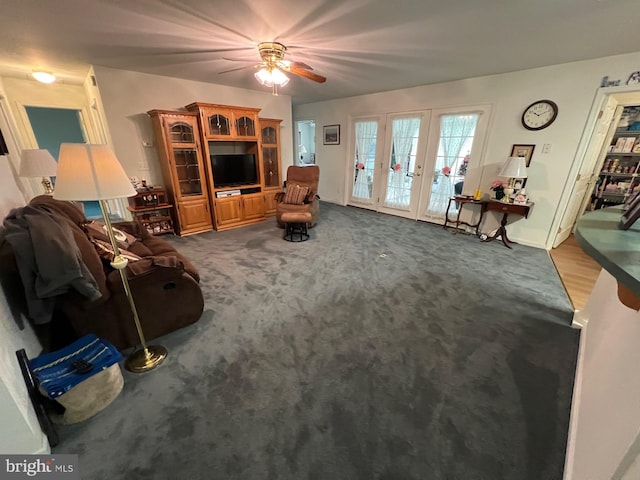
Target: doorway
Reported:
point(606, 112)
point(306, 142)
point(54, 126)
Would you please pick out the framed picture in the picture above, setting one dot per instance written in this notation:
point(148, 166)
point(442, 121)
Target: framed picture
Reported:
point(331, 135)
point(525, 151)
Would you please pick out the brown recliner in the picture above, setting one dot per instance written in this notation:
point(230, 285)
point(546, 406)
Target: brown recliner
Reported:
point(307, 176)
point(163, 282)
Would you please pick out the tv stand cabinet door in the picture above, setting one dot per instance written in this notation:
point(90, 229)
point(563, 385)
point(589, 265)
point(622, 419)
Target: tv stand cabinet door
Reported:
point(253, 206)
point(194, 216)
point(228, 211)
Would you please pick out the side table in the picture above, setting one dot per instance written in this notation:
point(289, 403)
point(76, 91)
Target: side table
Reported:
point(462, 201)
point(506, 209)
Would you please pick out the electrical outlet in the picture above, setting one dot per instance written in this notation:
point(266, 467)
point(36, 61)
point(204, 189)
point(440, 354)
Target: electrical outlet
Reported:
point(142, 166)
point(147, 143)
point(546, 148)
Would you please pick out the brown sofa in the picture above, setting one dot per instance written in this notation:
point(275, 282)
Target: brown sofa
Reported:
point(307, 176)
point(163, 282)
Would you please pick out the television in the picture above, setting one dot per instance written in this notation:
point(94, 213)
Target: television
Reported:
point(233, 169)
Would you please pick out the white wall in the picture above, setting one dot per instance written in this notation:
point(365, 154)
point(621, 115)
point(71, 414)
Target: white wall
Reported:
point(20, 429)
point(572, 86)
point(127, 96)
point(604, 440)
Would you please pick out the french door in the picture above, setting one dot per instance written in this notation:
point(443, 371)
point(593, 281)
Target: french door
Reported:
point(387, 168)
point(410, 165)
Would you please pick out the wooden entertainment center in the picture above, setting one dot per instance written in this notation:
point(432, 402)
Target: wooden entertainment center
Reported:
point(244, 151)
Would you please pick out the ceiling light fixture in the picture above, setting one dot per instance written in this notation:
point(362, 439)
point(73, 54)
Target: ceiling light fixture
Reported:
point(271, 76)
point(43, 77)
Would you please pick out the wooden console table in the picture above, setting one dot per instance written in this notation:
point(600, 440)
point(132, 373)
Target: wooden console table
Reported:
point(464, 201)
point(506, 209)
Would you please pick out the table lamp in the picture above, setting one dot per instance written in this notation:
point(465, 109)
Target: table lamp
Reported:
point(38, 163)
point(515, 168)
point(92, 172)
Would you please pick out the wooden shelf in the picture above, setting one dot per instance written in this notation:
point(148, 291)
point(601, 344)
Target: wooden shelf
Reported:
point(149, 209)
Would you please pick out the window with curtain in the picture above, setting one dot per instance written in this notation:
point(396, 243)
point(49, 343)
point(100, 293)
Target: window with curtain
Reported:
point(454, 146)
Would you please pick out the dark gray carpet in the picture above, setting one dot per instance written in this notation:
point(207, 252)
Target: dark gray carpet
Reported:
point(446, 358)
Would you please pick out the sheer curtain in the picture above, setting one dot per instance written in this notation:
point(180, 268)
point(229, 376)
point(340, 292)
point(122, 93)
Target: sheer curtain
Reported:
point(455, 131)
point(405, 130)
point(366, 133)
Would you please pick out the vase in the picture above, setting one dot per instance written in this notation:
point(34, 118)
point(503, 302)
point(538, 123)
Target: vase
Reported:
point(499, 194)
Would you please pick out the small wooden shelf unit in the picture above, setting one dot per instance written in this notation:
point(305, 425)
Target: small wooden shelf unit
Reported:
point(150, 207)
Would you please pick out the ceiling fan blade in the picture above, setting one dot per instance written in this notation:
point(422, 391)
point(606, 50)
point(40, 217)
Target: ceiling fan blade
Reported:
point(287, 64)
point(306, 74)
point(239, 68)
point(198, 52)
point(238, 59)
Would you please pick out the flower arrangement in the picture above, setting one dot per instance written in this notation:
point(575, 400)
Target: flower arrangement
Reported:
point(498, 187)
point(360, 166)
point(396, 167)
point(462, 170)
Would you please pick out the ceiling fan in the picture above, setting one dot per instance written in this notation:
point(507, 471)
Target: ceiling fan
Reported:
point(273, 65)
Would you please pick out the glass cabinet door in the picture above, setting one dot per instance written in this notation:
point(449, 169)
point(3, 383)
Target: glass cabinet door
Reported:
point(187, 168)
point(269, 136)
point(219, 125)
point(270, 161)
point(181, 133)
point(245, 127)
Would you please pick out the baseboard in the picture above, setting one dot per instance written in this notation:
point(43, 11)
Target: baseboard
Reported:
point(44, 448)
point(575, 408)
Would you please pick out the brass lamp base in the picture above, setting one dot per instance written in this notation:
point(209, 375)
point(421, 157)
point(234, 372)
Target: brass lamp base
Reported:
point(146, 359)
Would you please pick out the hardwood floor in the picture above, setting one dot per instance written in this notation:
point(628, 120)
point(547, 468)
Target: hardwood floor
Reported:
point(577, 270)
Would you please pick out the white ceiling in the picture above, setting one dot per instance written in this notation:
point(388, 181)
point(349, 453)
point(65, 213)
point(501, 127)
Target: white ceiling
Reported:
point(361, 46)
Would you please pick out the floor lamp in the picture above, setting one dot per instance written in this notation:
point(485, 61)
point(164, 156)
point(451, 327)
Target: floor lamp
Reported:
point(92, 172)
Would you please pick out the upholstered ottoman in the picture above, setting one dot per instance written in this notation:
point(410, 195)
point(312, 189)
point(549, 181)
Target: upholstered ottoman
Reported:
point(296, 226)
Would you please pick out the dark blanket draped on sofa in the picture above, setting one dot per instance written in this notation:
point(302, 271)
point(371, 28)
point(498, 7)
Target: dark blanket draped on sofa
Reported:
point(164, 283)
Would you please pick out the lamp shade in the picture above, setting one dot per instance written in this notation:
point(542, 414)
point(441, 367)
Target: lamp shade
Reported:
point(514, 167)
point(90, 172)
point(37, 163)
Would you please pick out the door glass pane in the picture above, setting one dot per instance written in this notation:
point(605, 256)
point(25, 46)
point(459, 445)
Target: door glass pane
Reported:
point(404, 144)
point(181, 133)
point(245, 127)
point(270, 160)
point(454, 148)
point(364, 158)
point(219, 125)
point(188, 173)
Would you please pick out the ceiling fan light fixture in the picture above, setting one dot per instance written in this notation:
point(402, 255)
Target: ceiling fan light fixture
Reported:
point(271, 76)
point(43, 77)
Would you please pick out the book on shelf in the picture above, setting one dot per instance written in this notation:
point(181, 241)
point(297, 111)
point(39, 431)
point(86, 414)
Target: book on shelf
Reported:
point(620, 142)
point(628, 144)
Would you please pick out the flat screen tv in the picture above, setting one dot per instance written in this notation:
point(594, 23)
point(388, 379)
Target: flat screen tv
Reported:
point(233, 169)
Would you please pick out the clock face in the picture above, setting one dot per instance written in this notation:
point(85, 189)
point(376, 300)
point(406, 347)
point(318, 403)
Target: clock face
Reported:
point(539, 115)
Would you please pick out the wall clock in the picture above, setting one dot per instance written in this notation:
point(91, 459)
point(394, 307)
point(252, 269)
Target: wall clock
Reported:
point(540, 114)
